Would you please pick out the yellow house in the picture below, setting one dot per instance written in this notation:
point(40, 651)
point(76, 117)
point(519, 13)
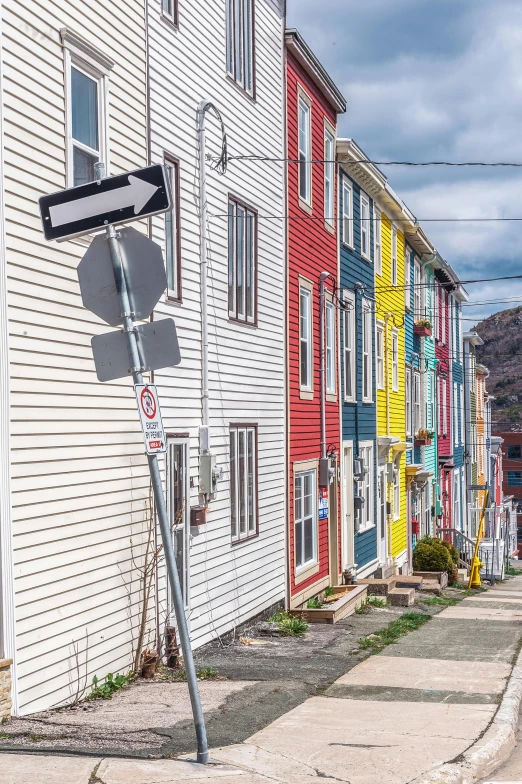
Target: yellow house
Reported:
point(390, 287)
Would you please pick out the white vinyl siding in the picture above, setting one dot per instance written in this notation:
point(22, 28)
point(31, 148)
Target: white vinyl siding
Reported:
point(305, 149)
point(347, 206)
point(365, 227)
point(394, 272)
point(330, 348)
point(305, 338)
point(243, 482)
point(395, 360)
point(377, 240)
point(329, 176)
point(379, 355)
point(305, 518)
point(350, 392)
point(367, 351)
point(240, 44)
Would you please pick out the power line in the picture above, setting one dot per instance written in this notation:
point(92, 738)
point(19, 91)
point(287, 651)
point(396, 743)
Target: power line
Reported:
point(266, 158)
point(376, 219)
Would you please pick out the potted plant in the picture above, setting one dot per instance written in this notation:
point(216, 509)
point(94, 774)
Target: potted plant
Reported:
point(422, 328)
point(423, 437)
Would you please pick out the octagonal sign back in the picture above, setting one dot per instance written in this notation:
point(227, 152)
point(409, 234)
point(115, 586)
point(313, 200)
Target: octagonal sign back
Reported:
point(145, 275)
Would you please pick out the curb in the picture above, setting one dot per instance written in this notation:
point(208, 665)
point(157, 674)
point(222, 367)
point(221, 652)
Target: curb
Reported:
point(493, 748)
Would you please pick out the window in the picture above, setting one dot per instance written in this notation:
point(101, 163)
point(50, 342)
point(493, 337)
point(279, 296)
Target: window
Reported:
point(367, 351)
point(435, 310)
point(365, 226)
point(409, 407)
point(364, 513)
point(461, 409)
point(377, 239)
point(86, 128)
point(514, 452)
point(417, 402)
point(304, 148)
point(407, 277)
point(379, 353)
point(305, 517)
point(444, 408)
point(240, 45)
point(439, 406)
point(172, 261)
point(417, 291)
point(329, 190)
point(347, 214)
point(349, 348)
point(396, 494)
point(243, 481)
point(169, 9)
point(455, 415)
point(443, 316)
point(242, 252)
point(305, 338)
point(330, 348)
point(515, 478)
point(394, 274)
point(456, 500)
point(395, 360)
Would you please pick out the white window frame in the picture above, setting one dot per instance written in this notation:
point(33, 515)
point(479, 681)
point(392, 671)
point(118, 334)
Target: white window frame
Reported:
point(440, 406)
point(443, 323)
point(169, 11)
point(367, 351)
point(238, 308)
point(396, 494)
point(417, 291)
point(329, 324)
point(455, 415)
point(409, 402)
point(299, 476)
point(235, 45)
point(444, 408)
point(349, 347)
point(80, 54)
point(395, 360)
point(329, 175)
point(364, 207)
point(377, 241)
point(171, 247)
point(407, 278)
point(394, 263)
point(306, 340)
point(365, 515)
point(457, 520)
point(304, 104)
point(347, 209)
point(379, 354)
point(417, 401)
point(239, 487)
point(462, 416)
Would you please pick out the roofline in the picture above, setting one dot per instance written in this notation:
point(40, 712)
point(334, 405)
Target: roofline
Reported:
point(302, 52)
point(473, 338)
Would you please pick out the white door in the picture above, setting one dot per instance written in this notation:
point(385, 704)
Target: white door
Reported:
point(178, 496)
point(348, 531)
point(382, 521)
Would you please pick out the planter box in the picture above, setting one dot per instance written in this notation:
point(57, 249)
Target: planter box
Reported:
point(422, 332)
point(423, 442)
point(344, 602)
point(440, 577)
point(415, 527)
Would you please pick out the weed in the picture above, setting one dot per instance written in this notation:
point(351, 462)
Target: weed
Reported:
point(439, 600)
point(396, 629)
point(113, 683)
point(314, 604)
point(362, 608)
point(206, 674)
point(4, 736)
point(289, 626)
point(513, 571)
point(4, 720)
point(377, 601)
point(329, 591)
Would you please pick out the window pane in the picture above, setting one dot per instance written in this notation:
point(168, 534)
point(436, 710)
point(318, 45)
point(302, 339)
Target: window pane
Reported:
point(240, 261)
point(230, 36)
point(166, 6)
point(233, 483)
point(330, 362)
point(250, 487)
point(250, 265)
point(298, 498)
point(241, 481)
point(248, 43)
point(308, 539)
point(305, 337)
point(83, 166)
point(307, 494)
point(514, 452)
point(171, 249)
point(84, 94)
point(231, 259)
point(304, 147)
point(298, 544)
point(238, 29)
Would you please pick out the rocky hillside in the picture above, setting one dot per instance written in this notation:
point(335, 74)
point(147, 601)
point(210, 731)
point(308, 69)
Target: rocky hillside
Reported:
point(502, 354)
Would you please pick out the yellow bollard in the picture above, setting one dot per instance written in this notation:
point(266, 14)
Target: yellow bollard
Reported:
point(476, 566)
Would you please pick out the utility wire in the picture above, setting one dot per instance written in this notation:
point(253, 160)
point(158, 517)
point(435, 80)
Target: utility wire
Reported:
point(484, 164)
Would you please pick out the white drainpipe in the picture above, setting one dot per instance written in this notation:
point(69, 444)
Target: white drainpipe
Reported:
point(204, 430)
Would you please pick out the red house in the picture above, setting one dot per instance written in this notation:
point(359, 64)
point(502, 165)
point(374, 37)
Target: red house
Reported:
point(445, 438)
point(313, 102)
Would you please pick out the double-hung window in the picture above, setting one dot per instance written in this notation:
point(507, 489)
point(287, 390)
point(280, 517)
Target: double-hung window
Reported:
point(377, 241)
point(367, 351)
point(172, 260)
point(305, 517)
point(443, 305)
point(417, 291)
point(365, 226)
point(329, 174)
point(364, 513)
point(409, 407)
point(395, 360)
point(417, 401)
point(243, 481)
point(169, 10)
point(330, 347)
point(444, 407)
point(305, 338)
point(379, 355)
point(242, 253)
point(407, 277)
point(350, 392)
point(515, 478)
point(455, 415)
point(305, 149)
point(347, 214)
point(394, 271)
point(240, 42)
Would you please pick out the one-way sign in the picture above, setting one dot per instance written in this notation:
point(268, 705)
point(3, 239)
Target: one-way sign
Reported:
point(118, 199)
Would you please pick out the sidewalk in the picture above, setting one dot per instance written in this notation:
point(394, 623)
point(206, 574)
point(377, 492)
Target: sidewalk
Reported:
point(392, 718)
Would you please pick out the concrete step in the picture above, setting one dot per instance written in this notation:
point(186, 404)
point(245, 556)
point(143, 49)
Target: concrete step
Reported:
point(409, 581)
point(402, 597)
point(432, 586)
point(441, 577)
point(378, 587)
point(463, 575)
point(383, 572)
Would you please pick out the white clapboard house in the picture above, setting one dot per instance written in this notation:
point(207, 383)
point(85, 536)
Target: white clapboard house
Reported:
point(82, 82)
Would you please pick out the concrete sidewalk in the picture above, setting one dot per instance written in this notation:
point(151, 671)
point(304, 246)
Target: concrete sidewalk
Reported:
point(394, 718)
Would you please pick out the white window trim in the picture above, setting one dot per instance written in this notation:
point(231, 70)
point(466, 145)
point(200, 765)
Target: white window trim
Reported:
point(364, 199)
point(347, 190)
point(305, 99)
point(329, 209)
point(407, 278)
point(172, 15)
point(444, 408)
point(417, 403)
point(307, 390)
point(82, 55)
point(250, 533)
point(409, 402)
point(173, 165)
point(366, 315)
point(395, 360)
point(417, 291)
point(331, 391)
point(233, 74)
point(379, 376)
point(396, 494)
point(350, 315)
point(394, 260)
point(377, 240)
point(367, 447)
point(304, 568)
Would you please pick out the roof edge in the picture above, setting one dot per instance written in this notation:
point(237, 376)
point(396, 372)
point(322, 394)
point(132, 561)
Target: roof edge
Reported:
point(302, 52)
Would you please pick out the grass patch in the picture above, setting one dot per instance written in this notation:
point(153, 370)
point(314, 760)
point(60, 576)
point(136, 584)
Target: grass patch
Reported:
point(288, 625)
point(439, 600)
point(371, 601)
point(513, 571)
point(394, 631)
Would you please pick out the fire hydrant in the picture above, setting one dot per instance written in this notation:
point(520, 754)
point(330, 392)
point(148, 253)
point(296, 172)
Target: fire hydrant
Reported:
point(476, 566)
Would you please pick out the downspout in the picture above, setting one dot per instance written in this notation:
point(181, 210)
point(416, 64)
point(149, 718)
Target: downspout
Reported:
point(286, 424)
point(7, 594)
point(204, 430)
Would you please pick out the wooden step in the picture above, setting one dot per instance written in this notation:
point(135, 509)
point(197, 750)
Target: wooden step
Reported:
point(378, 587)
point(402, 597)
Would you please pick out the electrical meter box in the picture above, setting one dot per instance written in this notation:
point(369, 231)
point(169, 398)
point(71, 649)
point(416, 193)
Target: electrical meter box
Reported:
point(207, 465)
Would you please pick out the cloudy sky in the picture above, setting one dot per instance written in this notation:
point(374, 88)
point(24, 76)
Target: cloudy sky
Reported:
point(436, 80)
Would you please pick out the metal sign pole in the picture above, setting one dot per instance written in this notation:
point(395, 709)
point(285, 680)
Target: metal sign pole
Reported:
point(136, 368)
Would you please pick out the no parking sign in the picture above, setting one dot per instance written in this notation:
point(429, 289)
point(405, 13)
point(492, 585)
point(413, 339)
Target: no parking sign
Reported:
point(150, 416)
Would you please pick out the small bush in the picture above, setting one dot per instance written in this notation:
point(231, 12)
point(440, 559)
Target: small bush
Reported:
point(431, 558)
point(452, 551)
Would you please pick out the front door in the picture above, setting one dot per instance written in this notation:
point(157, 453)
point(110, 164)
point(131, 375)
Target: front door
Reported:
point(179, 511)
point(348, 531)
point(381, 502)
